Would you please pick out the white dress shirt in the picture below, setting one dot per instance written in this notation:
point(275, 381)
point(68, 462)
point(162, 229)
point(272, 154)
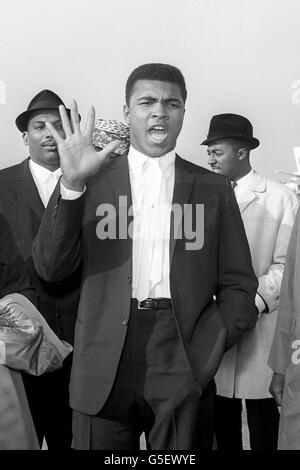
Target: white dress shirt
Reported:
point(152, 185)
point(45, 180)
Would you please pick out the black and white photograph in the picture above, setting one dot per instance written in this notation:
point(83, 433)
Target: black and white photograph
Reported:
point(150, 228)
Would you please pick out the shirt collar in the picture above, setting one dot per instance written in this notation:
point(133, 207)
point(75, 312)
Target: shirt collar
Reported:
point(136, 161)
point(41, 172)
point(245, 182)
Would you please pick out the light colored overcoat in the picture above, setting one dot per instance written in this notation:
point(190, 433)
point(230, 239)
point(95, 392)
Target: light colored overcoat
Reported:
point(268, 211)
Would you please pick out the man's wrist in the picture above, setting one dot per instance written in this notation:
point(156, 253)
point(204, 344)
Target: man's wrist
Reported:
point(73, 185)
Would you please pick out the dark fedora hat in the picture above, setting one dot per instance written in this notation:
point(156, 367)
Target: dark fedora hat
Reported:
point(44, 100)
point(233, 126)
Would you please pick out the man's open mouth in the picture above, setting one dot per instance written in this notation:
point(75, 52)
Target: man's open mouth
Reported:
point(158, 133)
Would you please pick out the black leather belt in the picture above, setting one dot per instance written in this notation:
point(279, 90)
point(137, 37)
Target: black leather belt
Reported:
point(155, 304)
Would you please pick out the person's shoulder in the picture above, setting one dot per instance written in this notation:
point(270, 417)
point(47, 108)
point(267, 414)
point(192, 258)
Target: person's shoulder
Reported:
point(12, 171)
point(279, 190)
point(201, 172)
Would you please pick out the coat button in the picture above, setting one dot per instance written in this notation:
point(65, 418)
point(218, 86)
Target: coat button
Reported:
point(129, 280)
point(54, 213)
point(125, 321)
point(58, 315)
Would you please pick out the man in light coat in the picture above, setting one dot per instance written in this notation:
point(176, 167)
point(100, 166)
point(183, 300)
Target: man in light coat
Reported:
point(268, 210)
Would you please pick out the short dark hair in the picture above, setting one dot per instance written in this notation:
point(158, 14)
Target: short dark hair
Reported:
point(240, 143)
point(155, 71)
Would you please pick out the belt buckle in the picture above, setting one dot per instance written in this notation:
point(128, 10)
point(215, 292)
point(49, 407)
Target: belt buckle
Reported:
point(148, 303)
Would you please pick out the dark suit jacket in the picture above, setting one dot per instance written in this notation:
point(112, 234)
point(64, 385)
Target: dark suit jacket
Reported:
point(221, 268)
point(21, 204)
point(14, 277)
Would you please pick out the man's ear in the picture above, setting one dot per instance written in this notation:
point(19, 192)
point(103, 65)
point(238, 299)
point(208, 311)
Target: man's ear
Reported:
point(242, 153)
point(126, 114)
point(25, 138)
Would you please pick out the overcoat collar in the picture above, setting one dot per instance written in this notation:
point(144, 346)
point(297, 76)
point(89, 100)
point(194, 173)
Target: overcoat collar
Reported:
point(257, 184)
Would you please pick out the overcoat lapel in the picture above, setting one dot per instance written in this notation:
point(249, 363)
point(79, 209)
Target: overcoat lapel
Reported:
point(257, 185)
point(246, 199)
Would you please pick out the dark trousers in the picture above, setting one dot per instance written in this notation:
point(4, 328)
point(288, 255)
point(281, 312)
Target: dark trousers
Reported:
point(48, 398)
point(154, 392)
point(262, 418)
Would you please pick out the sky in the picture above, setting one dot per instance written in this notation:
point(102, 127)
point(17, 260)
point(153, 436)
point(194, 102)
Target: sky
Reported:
point(238, 56)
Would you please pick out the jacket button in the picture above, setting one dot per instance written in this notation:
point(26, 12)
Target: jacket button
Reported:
point(125, 321)
point(54, 214)
point(58, 315)
point(129, 280)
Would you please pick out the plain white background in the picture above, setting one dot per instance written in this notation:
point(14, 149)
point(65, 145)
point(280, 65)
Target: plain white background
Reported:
point(238, 56)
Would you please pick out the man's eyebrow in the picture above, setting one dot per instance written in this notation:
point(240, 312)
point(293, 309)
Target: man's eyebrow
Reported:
point(173, 99)
point(153, 98)
point(149, 98)
point(38, 121)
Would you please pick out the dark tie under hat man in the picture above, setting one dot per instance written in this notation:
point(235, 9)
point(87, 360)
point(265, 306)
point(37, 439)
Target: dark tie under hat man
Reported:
point(25, 190)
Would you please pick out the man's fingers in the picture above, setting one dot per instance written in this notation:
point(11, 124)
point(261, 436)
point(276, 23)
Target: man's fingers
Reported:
point(54, 132)
point(65, 120)
point(107, 155)
point(90, 123)
point(109, 148)
point(278, 398)
point(75, 116)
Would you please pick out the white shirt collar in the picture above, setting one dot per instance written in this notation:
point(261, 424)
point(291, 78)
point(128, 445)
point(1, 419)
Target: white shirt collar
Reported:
point(244, 183)
point(42, 173)
point(136, 161)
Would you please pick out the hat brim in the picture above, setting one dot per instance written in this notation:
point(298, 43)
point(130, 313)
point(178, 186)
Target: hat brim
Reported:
point(251, 141)
point(23, 118)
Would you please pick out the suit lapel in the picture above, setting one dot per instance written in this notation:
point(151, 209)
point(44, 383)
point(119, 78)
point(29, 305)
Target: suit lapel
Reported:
point(119, 178)
point(120, 182)
point(182, 189)
point(29, 190)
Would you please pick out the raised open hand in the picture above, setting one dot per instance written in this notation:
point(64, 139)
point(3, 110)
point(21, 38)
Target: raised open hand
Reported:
point(79, 160)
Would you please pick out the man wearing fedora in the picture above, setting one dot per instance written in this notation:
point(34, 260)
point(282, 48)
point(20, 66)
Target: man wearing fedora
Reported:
point(268, 210)
point(25, 190)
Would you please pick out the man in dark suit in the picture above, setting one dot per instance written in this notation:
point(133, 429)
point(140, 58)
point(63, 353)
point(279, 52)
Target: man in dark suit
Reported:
point(164, 292)
point(24, 192)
